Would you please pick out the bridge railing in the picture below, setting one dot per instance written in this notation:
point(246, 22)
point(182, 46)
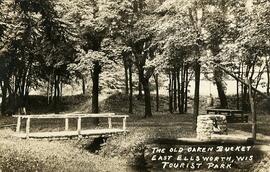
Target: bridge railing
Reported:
point(79, 118)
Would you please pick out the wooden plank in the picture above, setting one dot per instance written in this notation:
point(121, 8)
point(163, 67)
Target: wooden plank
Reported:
point(101, 131)
point(110, 122)
point(225, 110)
point(124, 123)
point(65, 115)
point(101, 115)
point(27, 131)
point(8, 125)
point(91, 132)
point(66, 124)
point(235, 119)
point(18, 124)
point(232, 115)
point(79, 125)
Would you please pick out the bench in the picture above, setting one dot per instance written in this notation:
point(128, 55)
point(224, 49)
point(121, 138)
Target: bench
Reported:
point(232, 115)
point(67, 133)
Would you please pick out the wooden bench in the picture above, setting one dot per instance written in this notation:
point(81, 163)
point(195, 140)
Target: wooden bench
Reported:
point(232, 115)
point(67, 133)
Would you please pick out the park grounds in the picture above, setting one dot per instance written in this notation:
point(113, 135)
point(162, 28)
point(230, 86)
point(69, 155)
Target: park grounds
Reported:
point(116, 153)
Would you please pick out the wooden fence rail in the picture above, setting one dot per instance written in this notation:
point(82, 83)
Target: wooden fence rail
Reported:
point(79, 131)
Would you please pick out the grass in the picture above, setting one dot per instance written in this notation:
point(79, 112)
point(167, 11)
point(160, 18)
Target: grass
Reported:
point(45, 155)
point(39, 105)
point(120, 153)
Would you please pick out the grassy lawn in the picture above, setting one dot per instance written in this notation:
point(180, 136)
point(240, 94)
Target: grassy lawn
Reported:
point(45, 155)
point(72, 155)
point(120, 153)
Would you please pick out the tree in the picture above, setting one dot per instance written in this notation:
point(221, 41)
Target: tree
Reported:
point(4, 62)
point(139, 48)
point(246, 43)
point(98, 22)
point(184, 21)
point(39, 42)
point(135, 32)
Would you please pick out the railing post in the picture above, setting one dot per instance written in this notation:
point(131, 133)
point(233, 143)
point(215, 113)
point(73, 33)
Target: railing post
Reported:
point(66, 124)
point(27, 127)
point(79, 127)
point(124, 123)
point(18, 124)
point(110, 122)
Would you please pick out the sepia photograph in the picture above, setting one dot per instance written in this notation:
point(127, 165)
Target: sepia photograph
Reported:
point(134, 85)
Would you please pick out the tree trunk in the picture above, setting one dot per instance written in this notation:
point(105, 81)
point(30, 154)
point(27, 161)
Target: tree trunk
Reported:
point(10, 97)
point(245, 95)
point(253, 112)
point(15, 101)
point(48, 91)
point(56, 94)
point(4, 98)
point(23, 103)
point(186, 89)
point(220, 88)
point(237, 88)
point(83, 86)
point(170, 93)
point(52, 91)
point(182, 90)
point(242, 87)
point(95, 89)
point(179, 90)
point(268, 76)
point(157, 92)
point(140, 87)
point(126, 79)
point(61, 89)
point(59, 92)
point(245, 99)
point(174, 91)
point(197, 70)
point(147, 98)
point(22, 92)
point(130, 90)
point(27, 96)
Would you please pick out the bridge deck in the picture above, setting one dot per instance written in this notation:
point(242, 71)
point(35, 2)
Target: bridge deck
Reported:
point(91, 132)
point(67, 133)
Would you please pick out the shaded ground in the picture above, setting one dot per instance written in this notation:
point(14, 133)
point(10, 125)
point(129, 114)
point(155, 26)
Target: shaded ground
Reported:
point(44, 155)
point(120, 153)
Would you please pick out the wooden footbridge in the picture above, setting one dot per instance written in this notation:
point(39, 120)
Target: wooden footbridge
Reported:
point(69, 133)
